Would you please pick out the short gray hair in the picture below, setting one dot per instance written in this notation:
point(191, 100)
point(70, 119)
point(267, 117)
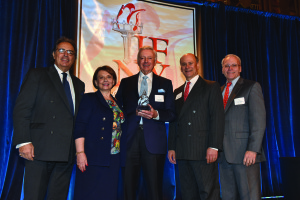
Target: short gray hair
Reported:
point(233, 55)
point(146, 48)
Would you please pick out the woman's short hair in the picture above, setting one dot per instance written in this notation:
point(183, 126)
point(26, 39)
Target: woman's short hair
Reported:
point(109, 70)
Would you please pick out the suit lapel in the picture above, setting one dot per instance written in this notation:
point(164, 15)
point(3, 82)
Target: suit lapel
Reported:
point(234, 92)
point(155, 86)
point(77, 95)
point(135, 79)
point(101, 99)
point(192, 95)
point(54, 76)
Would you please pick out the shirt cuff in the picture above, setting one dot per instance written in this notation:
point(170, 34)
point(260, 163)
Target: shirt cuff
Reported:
point(22, 144)
point(214, 148)
point(157, 118)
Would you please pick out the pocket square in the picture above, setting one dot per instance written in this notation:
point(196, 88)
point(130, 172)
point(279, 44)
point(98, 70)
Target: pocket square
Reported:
point(161, 91)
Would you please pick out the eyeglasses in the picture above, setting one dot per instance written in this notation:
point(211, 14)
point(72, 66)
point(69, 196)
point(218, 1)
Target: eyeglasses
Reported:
point(232, 65)
point(70, 52)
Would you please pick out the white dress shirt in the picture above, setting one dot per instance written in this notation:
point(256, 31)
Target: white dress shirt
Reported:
point(149, 82)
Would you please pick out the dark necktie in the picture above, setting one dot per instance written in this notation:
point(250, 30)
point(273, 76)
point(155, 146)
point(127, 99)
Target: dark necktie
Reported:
point(68, 91)
point(226, 95)
point(187, 90)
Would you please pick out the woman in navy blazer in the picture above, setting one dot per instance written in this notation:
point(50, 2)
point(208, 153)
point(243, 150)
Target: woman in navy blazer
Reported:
point(100, 140)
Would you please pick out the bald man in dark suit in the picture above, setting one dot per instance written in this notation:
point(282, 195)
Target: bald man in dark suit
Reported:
point(196, 136)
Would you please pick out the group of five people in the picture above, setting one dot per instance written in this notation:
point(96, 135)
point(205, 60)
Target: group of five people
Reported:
point(208, 125)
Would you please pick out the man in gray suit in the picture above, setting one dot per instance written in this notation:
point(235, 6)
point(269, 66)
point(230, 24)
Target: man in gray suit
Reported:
point(245, 123)
point(197, 134)
point(44, 117)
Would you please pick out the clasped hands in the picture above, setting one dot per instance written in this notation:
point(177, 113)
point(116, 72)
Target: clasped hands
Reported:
point(148, 114)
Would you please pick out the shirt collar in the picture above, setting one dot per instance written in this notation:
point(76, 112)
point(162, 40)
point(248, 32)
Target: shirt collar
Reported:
point(234, 81)
point(150, 75)
point(193, 80)
point(60, 71)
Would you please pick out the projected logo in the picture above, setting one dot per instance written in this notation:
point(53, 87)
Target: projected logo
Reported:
point(132, 27)
point(127, 28)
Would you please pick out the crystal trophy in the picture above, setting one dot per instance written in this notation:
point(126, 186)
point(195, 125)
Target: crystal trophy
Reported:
point(143, 102)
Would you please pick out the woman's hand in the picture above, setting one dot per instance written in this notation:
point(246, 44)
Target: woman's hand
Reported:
point(82, 161)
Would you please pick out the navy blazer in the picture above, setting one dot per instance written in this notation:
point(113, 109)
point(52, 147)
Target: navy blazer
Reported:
point(154, 130)
point(94, 122)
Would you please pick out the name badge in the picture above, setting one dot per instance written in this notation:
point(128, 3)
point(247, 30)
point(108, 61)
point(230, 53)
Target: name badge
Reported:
point(159, 98)
point(178, 96)
point(239, 101)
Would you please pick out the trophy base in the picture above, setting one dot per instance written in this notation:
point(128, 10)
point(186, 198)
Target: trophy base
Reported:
point(139, 108)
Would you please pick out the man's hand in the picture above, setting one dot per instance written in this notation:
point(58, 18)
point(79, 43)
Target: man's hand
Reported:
point(249, 158)
point(171, 156)
point(27, 151)
point(148, 114)
point(82, 161)
point(211, 155)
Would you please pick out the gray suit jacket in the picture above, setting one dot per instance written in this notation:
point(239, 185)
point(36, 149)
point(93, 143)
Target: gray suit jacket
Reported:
point(200, 121)
point(42, 114)
point(245, 122)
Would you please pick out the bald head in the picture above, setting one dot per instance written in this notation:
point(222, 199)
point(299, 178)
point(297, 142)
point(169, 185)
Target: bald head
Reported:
point(189, 64)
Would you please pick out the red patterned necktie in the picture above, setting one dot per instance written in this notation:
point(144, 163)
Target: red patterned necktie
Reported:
point(186, 91)
point(225, 99)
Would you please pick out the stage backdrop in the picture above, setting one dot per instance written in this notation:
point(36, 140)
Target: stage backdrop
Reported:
point(111, 33)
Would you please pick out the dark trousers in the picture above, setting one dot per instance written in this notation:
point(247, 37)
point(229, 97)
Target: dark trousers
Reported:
point(199, 180)
point(98, 182)
point(239, 182)
point(43, 177)
point(153, 167)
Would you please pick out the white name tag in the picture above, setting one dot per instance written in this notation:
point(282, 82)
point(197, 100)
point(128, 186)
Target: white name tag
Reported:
point(239, 101)
point(178, 96)
point(159, 98)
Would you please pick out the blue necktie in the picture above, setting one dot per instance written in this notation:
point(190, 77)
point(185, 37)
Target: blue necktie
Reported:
point(144, 86)
point(68, 91)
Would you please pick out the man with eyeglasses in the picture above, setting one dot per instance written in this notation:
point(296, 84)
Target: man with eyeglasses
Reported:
point(43, 118)
point(245, 123)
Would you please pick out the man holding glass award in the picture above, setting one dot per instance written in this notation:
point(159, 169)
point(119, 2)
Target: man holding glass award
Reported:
point(148, 102)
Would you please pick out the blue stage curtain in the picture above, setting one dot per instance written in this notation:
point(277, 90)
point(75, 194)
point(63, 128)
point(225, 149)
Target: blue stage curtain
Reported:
point(269, 47)
point(28, 33)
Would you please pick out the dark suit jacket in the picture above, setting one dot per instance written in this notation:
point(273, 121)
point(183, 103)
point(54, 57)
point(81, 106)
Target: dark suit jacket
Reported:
point(94, 122)
point(245, 123)
point(154, 130)
point(200, 121)
point(42, 114)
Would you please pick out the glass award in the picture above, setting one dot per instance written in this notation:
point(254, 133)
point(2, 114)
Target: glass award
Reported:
point(143, 102)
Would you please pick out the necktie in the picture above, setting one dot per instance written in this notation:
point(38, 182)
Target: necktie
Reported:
point(186, 91)
point(225, 99)
point(68, 91)
point(144, 86)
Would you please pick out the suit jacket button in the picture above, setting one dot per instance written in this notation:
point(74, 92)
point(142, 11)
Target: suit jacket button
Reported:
point(54, 117)
point(194, 111)
point(101, 138)
point(51, 132)
point(102, 128)
point(189, 123)
point(104, 119)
